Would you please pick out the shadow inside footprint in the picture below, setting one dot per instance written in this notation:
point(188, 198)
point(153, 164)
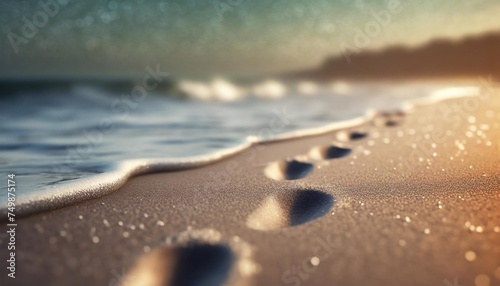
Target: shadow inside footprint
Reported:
point(346, 135)
point(197, 264)
point(389, 118)
point(392, 123)
point(203, 264)
point(357, 135)
point(290, 209)
point(309, 205)
point(288, 170)
point(328, 152)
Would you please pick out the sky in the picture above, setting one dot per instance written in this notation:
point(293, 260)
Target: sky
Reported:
point(237, 37)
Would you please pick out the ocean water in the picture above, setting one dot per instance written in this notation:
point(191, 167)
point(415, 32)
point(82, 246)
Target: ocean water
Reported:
point(51, 136)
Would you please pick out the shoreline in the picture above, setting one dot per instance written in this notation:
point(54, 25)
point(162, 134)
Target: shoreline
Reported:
point(413, 202)
point(95, 186)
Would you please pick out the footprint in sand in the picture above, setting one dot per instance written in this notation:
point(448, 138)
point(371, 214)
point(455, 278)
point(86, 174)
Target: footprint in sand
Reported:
point(194, 264)
point(288, 170)
point(389, 118)
point(347, 135)
point(290, 209)
point(328, 152)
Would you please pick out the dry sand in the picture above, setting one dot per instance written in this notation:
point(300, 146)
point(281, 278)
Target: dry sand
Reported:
point(414, 201)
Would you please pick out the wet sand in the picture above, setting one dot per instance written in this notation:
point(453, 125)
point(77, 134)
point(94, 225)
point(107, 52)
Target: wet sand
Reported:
point(406, 199)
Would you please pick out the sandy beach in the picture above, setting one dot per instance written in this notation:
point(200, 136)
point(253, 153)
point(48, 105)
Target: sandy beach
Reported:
point(409, 198)
point(250, 143)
